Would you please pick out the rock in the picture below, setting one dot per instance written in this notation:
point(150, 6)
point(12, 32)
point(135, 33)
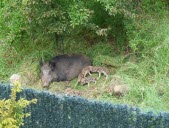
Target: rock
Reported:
point(120, 90)
point(15, 78)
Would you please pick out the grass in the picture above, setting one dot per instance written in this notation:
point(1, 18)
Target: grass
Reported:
point(146, 92)
point(146, 74)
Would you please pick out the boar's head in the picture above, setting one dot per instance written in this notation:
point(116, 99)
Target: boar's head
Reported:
point(47, 73)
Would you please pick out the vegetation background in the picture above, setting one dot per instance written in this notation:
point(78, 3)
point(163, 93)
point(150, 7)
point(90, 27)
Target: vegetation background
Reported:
point(130, 37)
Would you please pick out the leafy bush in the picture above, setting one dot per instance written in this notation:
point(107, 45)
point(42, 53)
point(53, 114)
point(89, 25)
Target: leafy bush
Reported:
point(121, 21)
point(12, 111)
point(12, 22)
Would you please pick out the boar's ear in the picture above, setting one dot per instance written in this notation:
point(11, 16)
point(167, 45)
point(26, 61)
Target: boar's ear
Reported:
point(41, 62)
point(52, 65)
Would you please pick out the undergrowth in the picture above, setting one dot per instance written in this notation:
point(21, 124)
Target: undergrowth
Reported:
point(146, 75)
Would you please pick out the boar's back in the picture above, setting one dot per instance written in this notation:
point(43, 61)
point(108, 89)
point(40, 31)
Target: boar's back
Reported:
point(67, 67)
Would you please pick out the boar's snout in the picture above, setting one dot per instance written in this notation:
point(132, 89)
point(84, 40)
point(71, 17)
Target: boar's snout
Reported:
point(45, 84)
point(46, 80)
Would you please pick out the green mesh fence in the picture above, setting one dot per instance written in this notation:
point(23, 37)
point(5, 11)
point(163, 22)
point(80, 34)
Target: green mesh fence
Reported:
point(60, 111)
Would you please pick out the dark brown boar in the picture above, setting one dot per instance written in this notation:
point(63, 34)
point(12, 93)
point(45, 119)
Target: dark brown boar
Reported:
point(63, 68)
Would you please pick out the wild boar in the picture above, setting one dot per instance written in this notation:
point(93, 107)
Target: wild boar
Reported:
point(63, 68)
point(92, 69)
point(88, 80)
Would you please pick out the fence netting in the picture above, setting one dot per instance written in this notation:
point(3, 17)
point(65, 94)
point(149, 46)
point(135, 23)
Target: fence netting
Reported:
point(61, 111)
